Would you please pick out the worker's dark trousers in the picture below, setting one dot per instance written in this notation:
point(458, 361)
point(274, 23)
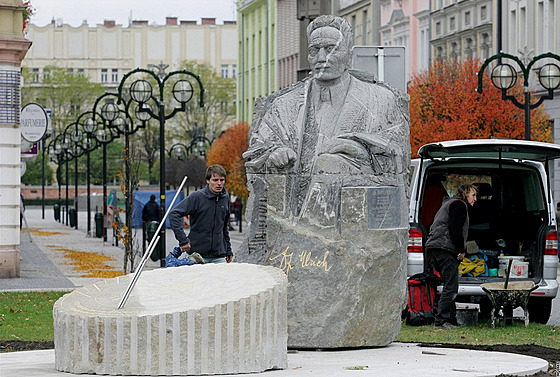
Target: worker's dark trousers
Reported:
point(448, 266)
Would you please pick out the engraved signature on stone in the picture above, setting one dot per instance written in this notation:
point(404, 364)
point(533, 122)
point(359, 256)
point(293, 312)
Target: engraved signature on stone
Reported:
point(306, 260)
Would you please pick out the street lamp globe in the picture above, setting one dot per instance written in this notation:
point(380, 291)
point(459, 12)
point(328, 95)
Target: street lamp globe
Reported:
point(119, 124)
point(101, 135)
point(141, 91)
point(76, 135)
point(178, 152)
point(88, 142)
point(143, 114)
point(110, 111)
point(549, 76)
point(503, 76)
point(183, 91)
point(50, 152)
point(75, 150)
point(58, 148)
point(89, 125)
point(200, 148)
point(65, 143)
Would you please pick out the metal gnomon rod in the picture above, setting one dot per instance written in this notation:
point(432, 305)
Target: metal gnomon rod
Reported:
point(149, 250)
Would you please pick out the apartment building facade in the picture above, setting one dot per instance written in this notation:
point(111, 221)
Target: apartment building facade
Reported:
point(258, 53)
point(106, 52)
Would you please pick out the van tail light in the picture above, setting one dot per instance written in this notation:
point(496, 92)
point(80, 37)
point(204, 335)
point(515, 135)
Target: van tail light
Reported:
point(415, 241)
point(551, 245)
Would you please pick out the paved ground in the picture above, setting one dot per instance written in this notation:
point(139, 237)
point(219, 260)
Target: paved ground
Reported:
point(396, 360)
point(43, 267)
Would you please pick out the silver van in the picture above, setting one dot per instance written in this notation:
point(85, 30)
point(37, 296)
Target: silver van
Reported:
point(513, 216)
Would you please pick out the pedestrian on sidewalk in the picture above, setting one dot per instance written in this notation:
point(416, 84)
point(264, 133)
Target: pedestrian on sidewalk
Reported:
point(22, 209)
point(209, 211)
point(237, 207)
point(150, 212)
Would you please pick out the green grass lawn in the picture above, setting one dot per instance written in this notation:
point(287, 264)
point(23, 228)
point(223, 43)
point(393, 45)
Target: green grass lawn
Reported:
point(483, 334)
point(28, 316)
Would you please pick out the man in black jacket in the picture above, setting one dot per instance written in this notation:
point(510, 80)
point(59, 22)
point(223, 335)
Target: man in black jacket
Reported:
point(446, 246)
point(150, 212)
point(209, 212)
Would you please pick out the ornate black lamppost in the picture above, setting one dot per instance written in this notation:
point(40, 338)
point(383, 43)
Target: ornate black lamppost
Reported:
point(43, 149)
point(141, 92)
point(198, 146)
point(74, 132)
point(119, 121)
point(504, 77)
point(88, 144)
point(56, 154)
point(104, 135)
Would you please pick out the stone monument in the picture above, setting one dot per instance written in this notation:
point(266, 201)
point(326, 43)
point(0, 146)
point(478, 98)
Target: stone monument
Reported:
point(190, 320)
point(327, 166)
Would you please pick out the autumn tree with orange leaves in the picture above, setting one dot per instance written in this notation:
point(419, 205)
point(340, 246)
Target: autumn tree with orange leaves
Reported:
point(227, 150)
point(444, 105)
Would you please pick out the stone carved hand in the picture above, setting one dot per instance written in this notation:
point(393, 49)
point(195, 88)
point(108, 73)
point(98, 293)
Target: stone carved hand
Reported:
point(346, 147)
point(282, 157)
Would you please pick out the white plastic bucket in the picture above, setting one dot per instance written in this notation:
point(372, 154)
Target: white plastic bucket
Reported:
point(519, 268)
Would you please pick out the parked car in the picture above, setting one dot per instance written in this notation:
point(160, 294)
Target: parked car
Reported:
point(514, 213)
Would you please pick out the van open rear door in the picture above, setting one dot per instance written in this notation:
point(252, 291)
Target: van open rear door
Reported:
point(494, 148)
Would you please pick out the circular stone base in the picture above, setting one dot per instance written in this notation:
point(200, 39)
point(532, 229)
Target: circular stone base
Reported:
point(190, 320)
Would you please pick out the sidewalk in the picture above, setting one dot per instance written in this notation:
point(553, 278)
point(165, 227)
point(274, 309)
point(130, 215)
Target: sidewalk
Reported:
point(45, 267)
point(45, 264)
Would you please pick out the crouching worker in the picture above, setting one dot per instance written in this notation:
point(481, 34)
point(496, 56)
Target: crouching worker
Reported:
point(209, 212)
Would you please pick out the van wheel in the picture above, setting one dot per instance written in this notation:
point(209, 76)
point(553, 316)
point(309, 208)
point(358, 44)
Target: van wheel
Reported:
point(539, 309)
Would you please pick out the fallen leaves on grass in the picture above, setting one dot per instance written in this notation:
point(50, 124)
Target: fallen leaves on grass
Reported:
point(92, 264)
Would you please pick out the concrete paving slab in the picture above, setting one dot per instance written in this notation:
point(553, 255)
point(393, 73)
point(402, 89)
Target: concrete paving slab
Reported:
point(395, 360)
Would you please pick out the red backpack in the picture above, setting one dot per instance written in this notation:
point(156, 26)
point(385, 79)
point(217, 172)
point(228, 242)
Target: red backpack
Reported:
point(421, 305)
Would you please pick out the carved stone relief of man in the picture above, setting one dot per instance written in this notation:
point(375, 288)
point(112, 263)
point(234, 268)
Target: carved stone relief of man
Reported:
point(332, 122)
point(327, 168)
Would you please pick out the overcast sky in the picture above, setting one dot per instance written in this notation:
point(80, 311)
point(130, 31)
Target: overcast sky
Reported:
point(74, 12)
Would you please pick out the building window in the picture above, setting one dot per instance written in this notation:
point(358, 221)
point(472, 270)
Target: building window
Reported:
point(364, 27)
point(469, 48)
point(483, 13)
point(114, 75)
point(467, 18)
point(454, 53)
point(225, 71)
point(80, 71)
point(438, 28)
point(486, 47)
point(233, 70)
point(35, 75)
point(104, 75)
point(353, 24)
point(452, 23)
point(74, 108)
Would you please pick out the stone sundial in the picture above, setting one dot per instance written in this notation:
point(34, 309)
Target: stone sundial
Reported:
point(202, 319)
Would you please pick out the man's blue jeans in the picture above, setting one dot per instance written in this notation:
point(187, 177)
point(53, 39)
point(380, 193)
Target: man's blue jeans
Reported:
point(215, 260)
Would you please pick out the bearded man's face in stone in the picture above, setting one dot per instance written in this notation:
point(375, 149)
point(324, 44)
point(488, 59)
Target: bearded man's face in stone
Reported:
point(328, 54)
